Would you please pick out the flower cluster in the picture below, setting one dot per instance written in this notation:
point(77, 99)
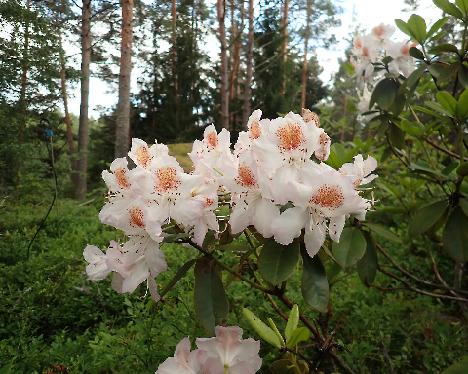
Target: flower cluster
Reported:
point(369, 50)
point(227, 352)
point(274, 184)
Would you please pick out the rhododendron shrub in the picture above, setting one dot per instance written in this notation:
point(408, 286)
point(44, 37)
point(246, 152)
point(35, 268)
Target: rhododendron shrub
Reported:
point(273, 188)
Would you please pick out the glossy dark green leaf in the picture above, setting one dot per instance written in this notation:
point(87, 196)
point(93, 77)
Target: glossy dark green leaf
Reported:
point(351, 247)
point(414, 77)
point(265, 332)
point(383, 231)
point(440, 48)
point(396, 136)
point(427, 216)
point(384, 93)
point(211, 304)
point(447, 101)
point(314, 285)
point(449, 8)
point(456, 235)
point(416, 53)
point(277, 262)
point(367, 265)
point(412, 128)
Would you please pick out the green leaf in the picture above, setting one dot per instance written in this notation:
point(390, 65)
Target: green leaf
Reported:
point(384, 93)
point(299, 335)
point(412, 128)
point(403, 26)
point(417, 27)
point(456, 235)
point(265, 332)
point(459, 367)
point(396, 136)
point(463, 6)
point(383, 232)
point(449, 8)
point(447, 101)
point(462, 169)
point(277, 262)
point(414, 77)
point(283, 366)
point(437, 107)
point(440, 70)
point(437, 26)
point(367, 265)
point(314, 285)
point(416, 53)
point(462, 106)
point(339, 155)
point(351, 247)
point(211, 304)
point(275, 329)
point(463, 202)
point(463, 75)
point(178, 276)
point(293, 320)
point(427, 216)
point(443, 48)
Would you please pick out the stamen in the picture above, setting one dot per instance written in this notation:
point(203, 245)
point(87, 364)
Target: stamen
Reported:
point(166, 179)
point(136, 217)
point(290, 136)
point(143, 156)
point(121, 177)
point(328, 196)
point(246, 177)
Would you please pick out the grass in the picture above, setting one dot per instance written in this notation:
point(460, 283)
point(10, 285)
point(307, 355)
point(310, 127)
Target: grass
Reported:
point(179, 151)
point(52, 315)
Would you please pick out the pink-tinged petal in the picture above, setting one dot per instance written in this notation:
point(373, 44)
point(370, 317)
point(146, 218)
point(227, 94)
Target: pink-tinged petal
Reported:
point(335, 227)
point(155, 260)
point(314, 236)
point(265, 213)
point(289, 225)
point(153, 288)
point(92, 254)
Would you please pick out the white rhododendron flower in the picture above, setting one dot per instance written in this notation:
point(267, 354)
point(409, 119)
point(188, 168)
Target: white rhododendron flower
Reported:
point(225, 353)
point(370, 50)
point(275, 182)
point(134, 262)
point(184, 360)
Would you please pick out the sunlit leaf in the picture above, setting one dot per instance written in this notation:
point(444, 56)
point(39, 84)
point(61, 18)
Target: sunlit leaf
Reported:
point(265, 332)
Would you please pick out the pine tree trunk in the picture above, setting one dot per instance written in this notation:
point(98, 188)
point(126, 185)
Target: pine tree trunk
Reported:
point(305, 61)
point(236, 45)
point(122, 130)
point(174, 63)
point(82, 161)
point(247, 108)
point(23, 105)
point(224, 77)
point(63, 89)
point(284, 46)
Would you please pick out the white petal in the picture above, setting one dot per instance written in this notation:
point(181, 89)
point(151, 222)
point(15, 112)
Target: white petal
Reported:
point(336, 227)
point(265, 213)
point(314, 237)
point(288, 225)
